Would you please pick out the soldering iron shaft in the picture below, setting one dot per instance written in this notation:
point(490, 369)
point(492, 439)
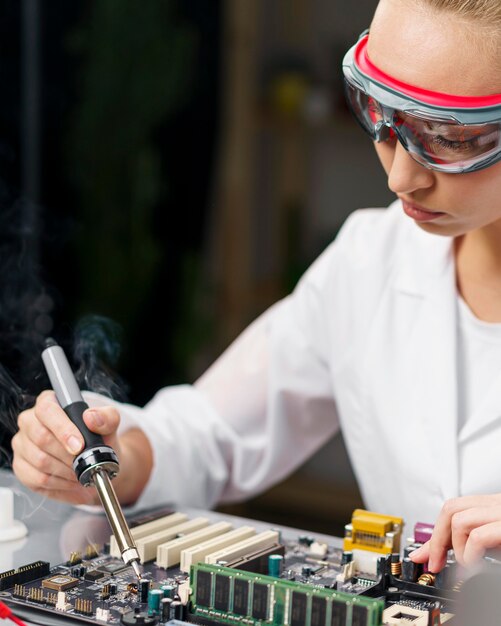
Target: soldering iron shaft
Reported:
point(97, 464)
point(116, 518)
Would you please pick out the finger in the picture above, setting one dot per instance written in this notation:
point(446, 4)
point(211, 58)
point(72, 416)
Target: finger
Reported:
point(51, 415)
point(41, 437)
point(40, 459)
point(39, 481)
point(422, 554)
point(441, 539)
point(464, 522)
point(481, 539)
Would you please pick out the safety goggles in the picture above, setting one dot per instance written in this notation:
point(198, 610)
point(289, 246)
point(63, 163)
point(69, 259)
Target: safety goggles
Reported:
point(443, 132)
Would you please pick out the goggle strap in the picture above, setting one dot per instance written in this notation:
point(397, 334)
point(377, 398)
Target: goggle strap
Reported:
point(434, 98)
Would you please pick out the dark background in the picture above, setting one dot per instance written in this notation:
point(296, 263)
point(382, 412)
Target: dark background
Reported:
point(174, 166)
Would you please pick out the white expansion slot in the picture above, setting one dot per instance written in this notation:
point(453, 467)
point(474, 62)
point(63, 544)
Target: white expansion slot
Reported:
point(147, 546)
point(148, 529)
point(259, 542)
point(197, 554)
point(169, 554)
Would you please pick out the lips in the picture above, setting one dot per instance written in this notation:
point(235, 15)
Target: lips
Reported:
point(419, 213)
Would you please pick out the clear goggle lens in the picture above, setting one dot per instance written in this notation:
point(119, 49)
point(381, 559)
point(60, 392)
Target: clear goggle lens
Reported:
point(441, 145)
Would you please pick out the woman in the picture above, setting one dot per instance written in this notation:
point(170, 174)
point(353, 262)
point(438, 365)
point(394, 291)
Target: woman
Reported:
point(381, 335)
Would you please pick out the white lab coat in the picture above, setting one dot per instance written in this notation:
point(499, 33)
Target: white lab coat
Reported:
point(366, 342)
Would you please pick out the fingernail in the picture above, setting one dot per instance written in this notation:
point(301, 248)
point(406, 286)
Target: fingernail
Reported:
point(416, 552)
point(96, 417)
point(74, 444)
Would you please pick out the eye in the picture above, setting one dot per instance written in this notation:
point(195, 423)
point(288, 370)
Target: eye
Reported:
point(455, 145)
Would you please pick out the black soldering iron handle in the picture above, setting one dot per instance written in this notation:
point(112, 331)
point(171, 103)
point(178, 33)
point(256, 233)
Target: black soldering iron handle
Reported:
point(75, 412)
point(67, 390)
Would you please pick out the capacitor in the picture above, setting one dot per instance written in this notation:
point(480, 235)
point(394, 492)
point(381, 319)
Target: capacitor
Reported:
point(275, 565)
point(113, 589)
point(154, 597)
point(411, 571)
point(75, 572)
point(306, 571)
point(347, 557)
point(176, 609)
point(381, 565)
point(144, 588)
point(165, 604)
point(168, 590)
point(83, 571)
point(445, 579)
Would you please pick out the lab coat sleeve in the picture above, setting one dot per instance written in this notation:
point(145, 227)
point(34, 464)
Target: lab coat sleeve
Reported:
point(259, 411)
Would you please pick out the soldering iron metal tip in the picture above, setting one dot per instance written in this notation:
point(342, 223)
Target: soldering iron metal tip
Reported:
point(137, 569)
point(50, 343)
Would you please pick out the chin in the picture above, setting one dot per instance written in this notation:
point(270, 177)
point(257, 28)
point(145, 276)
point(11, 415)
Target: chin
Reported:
point(444, 230)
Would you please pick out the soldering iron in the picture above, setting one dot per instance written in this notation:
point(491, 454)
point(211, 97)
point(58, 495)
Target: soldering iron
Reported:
point(97, 464)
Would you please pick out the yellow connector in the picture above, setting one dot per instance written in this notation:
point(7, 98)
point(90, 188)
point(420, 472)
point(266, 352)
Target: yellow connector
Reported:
point(373, 532)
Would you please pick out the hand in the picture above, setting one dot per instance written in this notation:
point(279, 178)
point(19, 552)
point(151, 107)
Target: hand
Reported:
point(470, 525)
point(47, 442)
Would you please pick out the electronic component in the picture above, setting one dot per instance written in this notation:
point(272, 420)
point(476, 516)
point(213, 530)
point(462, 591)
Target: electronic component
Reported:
point(149, 528)
point(169, 553)
point(257, 562)
point(275, 565)
point(195, 554)
point(147, 546)
point(23, 574)
point(94, 574)
point(422, 532)
point(154, 597)
point(83, 606)
point(60, 582)
point(410, 570)
point(143, 589)
point(373, 532)
point(398, 614)
point(261, 541)
point(224, 593)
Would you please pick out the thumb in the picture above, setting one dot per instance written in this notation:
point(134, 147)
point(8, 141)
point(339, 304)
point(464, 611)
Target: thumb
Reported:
point(103, 421)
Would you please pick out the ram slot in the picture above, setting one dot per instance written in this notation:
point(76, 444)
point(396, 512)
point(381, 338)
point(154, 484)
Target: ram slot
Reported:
point(259, 542)
point(169, 554)
point(196, 554)
point(148, 529)
point(147, 546)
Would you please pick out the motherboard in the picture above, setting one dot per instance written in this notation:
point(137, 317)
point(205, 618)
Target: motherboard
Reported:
point(200, 571)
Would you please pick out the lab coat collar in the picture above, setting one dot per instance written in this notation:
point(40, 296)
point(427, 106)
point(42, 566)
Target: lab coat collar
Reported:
point(427, 271)
point(426, 276)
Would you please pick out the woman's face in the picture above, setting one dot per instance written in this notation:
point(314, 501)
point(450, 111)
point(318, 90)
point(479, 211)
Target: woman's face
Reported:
point(440, 52)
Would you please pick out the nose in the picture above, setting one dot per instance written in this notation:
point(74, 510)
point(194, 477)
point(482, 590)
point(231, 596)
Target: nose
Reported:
point(406, 175)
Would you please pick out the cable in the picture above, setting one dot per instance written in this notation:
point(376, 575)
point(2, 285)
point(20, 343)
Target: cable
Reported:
point(5, 613)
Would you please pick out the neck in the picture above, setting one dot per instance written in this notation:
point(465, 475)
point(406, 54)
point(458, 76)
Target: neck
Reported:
point(478, 271)
point(480, 250)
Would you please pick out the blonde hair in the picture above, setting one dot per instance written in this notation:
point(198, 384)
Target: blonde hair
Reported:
point(487, 12)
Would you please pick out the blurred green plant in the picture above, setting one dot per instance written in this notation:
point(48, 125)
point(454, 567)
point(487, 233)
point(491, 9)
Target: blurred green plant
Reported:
point(136, 67)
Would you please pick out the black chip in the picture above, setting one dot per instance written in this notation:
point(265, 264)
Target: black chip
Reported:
point(338, 614)
point(318, 611)
point(298, 609)
point(222, 593)
point(94, 574)
point(204, 583)
point(260, 601)
point(360, 615)
point(240, 596)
